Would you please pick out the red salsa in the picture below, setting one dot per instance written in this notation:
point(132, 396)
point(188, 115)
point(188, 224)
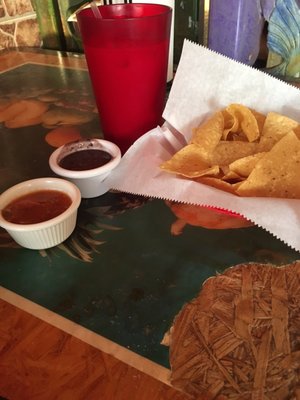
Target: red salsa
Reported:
point(35, 207)
point(85, 159)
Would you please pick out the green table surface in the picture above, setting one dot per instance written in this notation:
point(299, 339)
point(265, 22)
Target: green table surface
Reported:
point(121, 274)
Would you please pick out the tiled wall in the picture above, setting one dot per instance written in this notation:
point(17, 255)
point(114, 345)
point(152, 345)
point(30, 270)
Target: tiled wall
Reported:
point(18, 24)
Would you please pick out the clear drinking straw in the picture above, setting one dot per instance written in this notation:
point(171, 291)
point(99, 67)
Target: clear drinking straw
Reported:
point(95, 9)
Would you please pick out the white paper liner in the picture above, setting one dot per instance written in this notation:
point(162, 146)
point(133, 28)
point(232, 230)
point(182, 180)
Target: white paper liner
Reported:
point(205, 82)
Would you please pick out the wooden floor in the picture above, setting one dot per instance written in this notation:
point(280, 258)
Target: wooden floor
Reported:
point(41, 362)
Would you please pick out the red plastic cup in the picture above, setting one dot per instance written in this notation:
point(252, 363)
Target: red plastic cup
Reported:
point(127, 57)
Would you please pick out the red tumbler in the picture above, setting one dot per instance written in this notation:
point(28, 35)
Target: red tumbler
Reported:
point(127, 57)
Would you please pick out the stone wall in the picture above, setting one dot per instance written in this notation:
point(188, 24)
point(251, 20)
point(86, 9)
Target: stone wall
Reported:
point(18, 24)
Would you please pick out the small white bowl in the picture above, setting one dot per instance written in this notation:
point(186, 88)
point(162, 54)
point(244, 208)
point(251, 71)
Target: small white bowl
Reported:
point(91, 182)
point(44, 234)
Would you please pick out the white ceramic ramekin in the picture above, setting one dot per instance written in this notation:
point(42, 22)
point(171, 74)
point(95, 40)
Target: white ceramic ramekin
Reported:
point(45, 234)
point(90, 182)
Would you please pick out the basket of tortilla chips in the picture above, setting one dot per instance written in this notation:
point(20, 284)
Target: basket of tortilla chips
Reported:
point(244, 152)
point(230, 143)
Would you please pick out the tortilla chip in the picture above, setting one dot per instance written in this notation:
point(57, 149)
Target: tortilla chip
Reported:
point(232, 177)
point(276, 174)
point(189, 162)
point(260, 118)
point(244, 166)
point(216, 183)
point(275, 127)
point(248, 126)
point(231, 124)
point(227, 152)
point(209, 134)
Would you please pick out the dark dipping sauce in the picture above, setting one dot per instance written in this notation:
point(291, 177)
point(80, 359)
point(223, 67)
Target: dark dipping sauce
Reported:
point(36, 207)
point(85, 159)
